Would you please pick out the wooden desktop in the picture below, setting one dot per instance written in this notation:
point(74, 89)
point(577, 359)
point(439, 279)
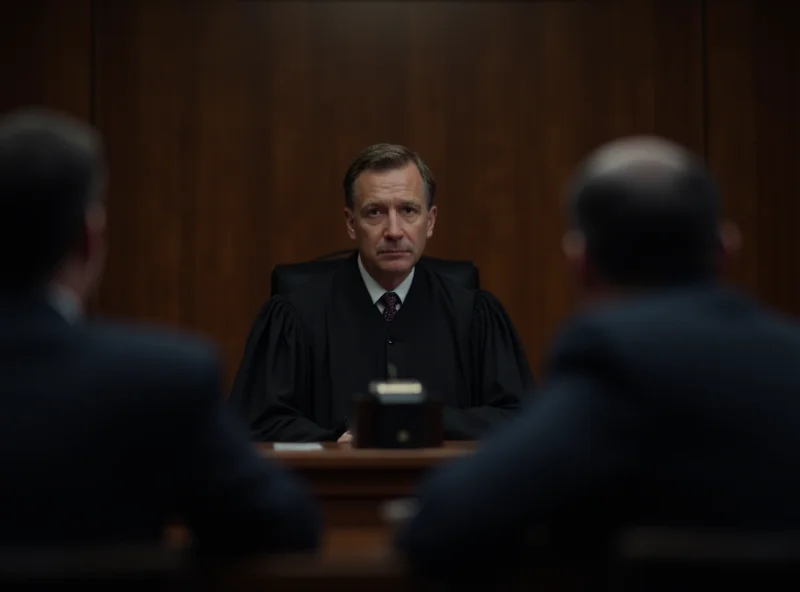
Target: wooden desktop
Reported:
point(357, 553)
point(353, 485)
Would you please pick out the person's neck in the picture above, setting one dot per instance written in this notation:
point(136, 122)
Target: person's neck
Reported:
point(68, 290)
point(387, 281)
point(66, 300)
point(392, 282)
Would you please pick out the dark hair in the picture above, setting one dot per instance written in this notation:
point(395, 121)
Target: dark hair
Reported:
point(386, 157)
point(51, 168)
point(649, 224)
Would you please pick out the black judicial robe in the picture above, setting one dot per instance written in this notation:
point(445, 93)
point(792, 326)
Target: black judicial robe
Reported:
point(310, 352)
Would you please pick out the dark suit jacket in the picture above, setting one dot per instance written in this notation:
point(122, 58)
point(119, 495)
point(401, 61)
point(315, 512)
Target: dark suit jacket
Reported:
point(678, 409)
point(109, 432)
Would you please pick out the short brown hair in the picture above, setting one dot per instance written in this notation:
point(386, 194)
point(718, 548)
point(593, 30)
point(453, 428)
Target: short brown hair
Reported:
point(51, 169)
point(386, 157)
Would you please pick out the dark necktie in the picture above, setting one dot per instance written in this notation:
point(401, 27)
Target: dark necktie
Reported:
point(390, 302)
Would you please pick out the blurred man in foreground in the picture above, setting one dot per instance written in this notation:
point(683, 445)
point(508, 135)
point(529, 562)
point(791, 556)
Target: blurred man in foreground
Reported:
point(108, 432)
point(670, 400)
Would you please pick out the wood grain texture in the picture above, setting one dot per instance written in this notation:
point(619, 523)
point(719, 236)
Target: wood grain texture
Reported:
point(46, 47)
point(754, 139)
point(230, 126)
point(353, 485)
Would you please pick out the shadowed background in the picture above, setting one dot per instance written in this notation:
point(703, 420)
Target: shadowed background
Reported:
point(229, 125)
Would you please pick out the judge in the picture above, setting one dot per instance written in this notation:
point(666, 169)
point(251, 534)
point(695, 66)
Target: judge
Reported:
point(310, 352)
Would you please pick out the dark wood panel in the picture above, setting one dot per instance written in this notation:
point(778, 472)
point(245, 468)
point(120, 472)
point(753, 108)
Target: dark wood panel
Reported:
point(353, 484)
point(46, 49)
point(754, 138)
point(230, 126)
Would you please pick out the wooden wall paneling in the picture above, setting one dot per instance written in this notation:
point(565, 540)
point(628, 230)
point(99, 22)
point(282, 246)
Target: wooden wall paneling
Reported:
point(230, 126)
point(46, 47)
point(147, 109)
point(47, 58)
point(754, 139)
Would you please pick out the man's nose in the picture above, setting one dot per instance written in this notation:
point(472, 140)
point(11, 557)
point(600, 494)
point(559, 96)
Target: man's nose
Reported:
point(394, 230)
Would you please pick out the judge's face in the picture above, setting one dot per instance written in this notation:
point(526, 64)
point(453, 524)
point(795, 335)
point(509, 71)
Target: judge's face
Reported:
point(391, 222)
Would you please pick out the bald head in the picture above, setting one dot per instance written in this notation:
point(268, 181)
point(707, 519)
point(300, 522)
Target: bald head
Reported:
point(647, 211)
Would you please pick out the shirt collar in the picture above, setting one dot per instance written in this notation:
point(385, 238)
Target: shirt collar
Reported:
point(65, 303)
point(376, 291)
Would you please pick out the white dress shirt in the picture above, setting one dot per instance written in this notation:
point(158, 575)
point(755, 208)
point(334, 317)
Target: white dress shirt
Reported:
point(376, 292)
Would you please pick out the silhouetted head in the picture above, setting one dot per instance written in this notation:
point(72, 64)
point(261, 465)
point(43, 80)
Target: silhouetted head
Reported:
point(52, 183)
point(389, 210)
point(645, 213)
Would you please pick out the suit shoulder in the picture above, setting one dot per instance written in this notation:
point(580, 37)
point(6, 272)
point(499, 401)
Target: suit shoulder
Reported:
point(620, 323)
point(672, 310)
point(151, 345)
point(685, 322)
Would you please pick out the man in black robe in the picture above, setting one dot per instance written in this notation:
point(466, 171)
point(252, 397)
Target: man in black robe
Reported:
point(310, 352)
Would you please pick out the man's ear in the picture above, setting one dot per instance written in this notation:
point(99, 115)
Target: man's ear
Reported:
point(93, 231)
point(730, 237)
point(431, 220)
point(350, 222)
point(95, 234)
point(574, 246)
